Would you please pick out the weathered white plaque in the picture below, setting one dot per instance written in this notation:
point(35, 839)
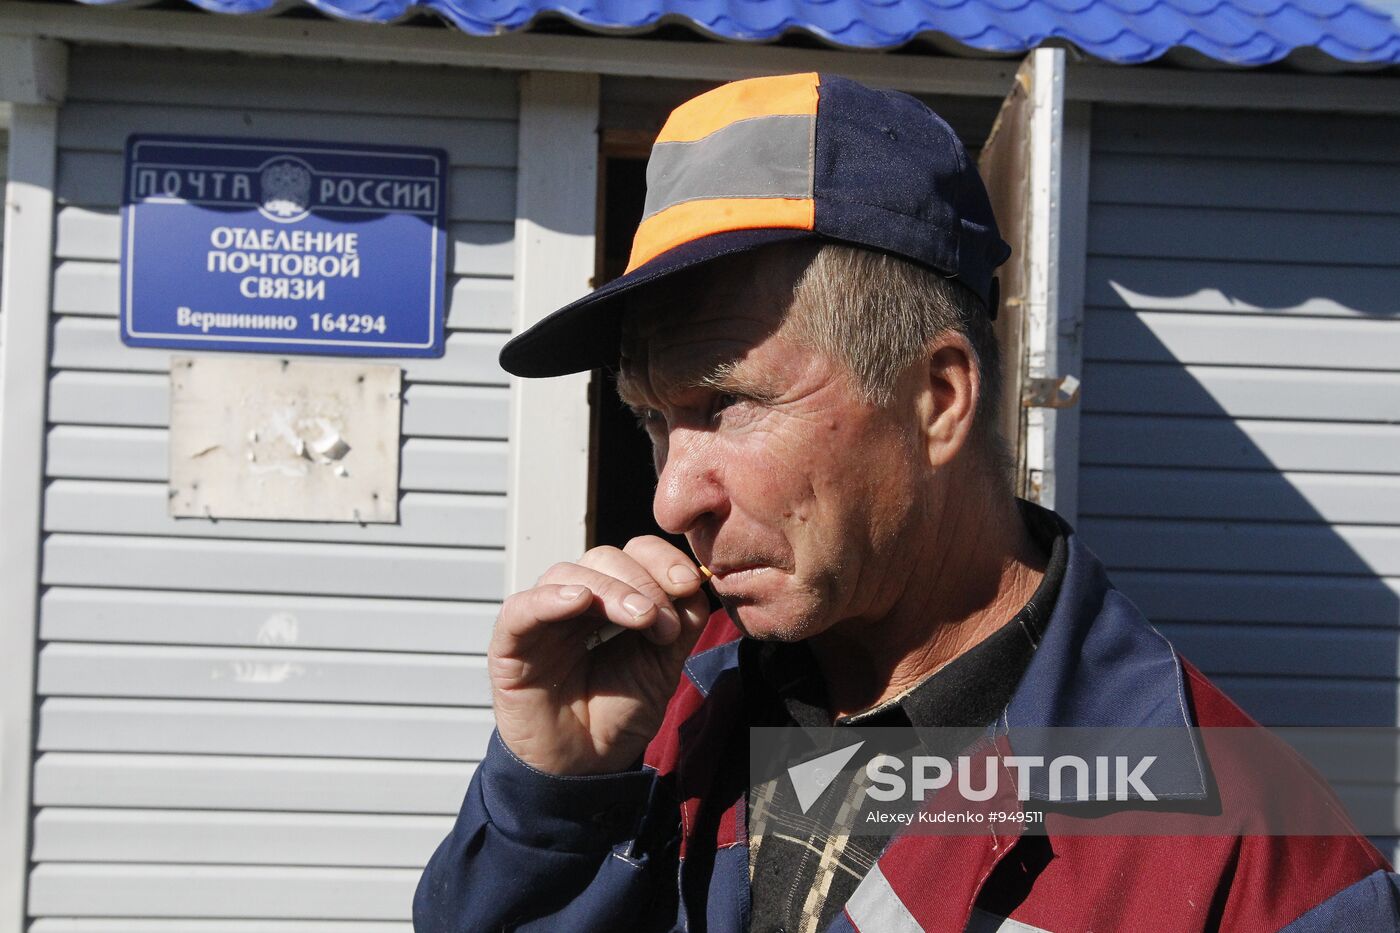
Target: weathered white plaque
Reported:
point(272, 438)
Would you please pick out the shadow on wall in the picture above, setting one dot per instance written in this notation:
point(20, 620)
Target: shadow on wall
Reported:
point(1240, 475)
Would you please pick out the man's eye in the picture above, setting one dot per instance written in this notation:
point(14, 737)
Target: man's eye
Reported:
point(723, 401)
point(648, 418)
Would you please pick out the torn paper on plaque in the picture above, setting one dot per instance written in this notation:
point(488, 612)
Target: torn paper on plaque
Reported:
point(272, 438)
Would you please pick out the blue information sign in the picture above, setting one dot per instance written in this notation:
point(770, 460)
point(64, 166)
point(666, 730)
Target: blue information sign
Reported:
point(283, 247)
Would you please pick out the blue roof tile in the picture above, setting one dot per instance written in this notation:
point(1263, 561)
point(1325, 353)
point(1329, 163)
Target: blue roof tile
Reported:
point(1240, 32)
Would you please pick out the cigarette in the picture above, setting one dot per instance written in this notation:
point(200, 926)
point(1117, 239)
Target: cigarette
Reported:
point(604, 634)
point(611, 630)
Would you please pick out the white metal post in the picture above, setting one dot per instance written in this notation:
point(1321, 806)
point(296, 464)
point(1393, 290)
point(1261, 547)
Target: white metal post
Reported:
point(1069, 335)
point(555, 226)
point(1047, 96)
point(32, 76)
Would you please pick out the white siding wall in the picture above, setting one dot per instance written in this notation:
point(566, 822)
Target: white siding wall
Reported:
point(4, 174)
point(256, 719)
point(1240, 460)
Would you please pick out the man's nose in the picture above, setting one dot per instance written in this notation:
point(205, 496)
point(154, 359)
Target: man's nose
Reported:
point(688, 486)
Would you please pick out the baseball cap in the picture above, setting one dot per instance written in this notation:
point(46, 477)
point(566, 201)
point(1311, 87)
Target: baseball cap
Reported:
point(774, 159)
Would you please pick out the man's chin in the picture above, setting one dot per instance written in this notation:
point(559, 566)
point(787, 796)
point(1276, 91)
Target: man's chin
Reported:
point(762, 623)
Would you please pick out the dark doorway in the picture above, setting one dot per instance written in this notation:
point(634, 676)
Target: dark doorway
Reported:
point(624, 479)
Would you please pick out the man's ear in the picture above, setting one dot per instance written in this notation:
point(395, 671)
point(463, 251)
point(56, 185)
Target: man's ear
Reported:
point(948, 394)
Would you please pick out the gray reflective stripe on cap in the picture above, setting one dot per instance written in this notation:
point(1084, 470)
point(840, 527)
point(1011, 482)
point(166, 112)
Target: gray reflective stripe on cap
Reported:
point(875, 908)
point(762, 157)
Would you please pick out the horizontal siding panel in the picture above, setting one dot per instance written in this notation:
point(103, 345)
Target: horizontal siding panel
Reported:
point(1259, 184)
point(143, 509)
point(481, 248)
point(1293, 599)
point(109, 398)
point(104, 126)
point(481, 304)
point(143, 400)
point(456, 411)
point(273, 566)
point(226, 80)
point(1202, 285)
point(444, 465)
point(95, 343)
point(94, 180)
point(81, 287)
point(467, 358)
point(217, 727)
point(1241, 393)
point(426, 464)
point(1238, 133)
point(202, 837)
point(154, 617)
point(1351, 755)
point(1168, 337)
point(1257, 649)
point(475, 248)
point(185, 925)
point(1214, 233)
point(87, 234)
point(1240, 445)
point(200, 673)
point(1226, 546)
point(1292, 701)
point(221, 782)
point(221, 891)
point(1237, 495)
point(87, 452)
point(88, 288)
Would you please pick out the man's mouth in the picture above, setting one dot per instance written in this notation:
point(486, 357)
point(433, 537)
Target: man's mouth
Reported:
point(737, 572)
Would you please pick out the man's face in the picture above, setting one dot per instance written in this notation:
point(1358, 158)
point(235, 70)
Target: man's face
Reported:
point(798, 494)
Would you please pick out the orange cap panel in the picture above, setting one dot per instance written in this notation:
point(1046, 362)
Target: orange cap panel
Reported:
point(690, 220)
point(753, 97)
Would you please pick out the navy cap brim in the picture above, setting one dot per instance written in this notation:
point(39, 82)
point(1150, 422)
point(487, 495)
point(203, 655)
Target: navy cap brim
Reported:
point(587, 333)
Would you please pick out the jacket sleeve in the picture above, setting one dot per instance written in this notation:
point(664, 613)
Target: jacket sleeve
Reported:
point(532, 851)
point(1371, 904)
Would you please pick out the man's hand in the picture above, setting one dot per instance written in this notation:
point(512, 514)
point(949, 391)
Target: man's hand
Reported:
point(566, 710)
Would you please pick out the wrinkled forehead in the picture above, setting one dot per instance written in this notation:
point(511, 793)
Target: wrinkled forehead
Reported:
point(710, 318)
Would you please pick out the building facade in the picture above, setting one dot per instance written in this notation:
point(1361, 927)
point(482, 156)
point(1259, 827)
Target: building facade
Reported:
point(218, 725)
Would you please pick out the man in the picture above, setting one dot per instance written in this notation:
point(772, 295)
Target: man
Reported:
point(804, 332)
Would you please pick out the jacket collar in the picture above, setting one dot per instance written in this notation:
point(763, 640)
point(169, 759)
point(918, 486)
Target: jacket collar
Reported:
point(1100, 662)
point(1101, 665)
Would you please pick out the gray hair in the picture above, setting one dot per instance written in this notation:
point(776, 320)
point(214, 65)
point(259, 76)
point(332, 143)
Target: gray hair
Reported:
point(876, 313)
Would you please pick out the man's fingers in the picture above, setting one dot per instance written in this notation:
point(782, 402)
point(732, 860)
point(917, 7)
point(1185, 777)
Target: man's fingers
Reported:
point(622, 566)
point(673, 569)
point(561, 596)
